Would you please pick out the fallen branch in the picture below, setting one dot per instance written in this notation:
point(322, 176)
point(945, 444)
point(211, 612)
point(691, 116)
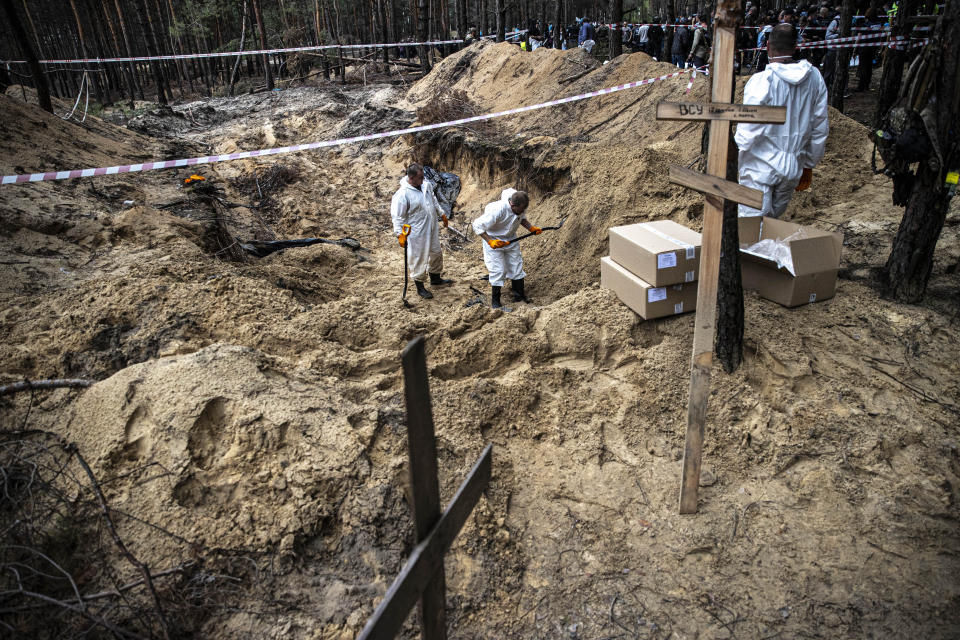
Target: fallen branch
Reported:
point(57, 383)
point(575, 76)
point(148, 581)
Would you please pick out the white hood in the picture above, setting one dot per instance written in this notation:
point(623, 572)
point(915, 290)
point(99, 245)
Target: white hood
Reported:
point(794, 72)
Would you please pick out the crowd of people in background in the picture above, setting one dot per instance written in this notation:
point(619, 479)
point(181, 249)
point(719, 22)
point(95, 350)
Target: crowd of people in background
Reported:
point(692, 37)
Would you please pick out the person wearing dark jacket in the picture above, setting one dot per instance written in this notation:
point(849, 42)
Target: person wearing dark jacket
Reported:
point(700, 48)
point(681, 44)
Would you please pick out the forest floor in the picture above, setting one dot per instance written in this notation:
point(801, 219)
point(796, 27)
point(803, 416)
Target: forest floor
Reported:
point(269, 393)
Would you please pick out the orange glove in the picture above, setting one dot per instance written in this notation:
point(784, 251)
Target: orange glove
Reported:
point(805, 179)
point(402, 238)
point(535, 230)
point(445, 220)
point(496, 243)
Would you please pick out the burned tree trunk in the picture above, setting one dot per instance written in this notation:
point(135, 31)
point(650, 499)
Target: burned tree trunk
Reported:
point(557, 25)
point(908, 268)
point(39, 78)
point(501, 28)
point(728, 343)
point(422, 17)
point(893, 62)
point(842, 71)
point(268, 72)
point(616, 37)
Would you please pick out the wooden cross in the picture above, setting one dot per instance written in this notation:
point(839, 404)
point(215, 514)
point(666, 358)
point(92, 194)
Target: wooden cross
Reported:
point(717, 189)
point(422, 576)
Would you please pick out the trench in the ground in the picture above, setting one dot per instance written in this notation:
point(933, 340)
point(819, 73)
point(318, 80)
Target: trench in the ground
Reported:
point(488, 166)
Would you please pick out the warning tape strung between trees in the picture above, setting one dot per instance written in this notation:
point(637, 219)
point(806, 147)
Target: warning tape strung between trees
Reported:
point(187, 162)
point(694, 25)
point(893, 44)
point(258, 52)
point(252, 52)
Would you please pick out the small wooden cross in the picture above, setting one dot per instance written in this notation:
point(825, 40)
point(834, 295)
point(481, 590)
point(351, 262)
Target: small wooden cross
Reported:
point(717, 189)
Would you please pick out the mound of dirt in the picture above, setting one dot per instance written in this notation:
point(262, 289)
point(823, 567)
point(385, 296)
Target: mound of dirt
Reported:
point(599, 162)
point(32, 140)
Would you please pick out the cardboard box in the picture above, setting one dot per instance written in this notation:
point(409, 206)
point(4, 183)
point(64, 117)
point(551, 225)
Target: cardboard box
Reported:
point(644, 298)
point(661, 252)
point(816, 261)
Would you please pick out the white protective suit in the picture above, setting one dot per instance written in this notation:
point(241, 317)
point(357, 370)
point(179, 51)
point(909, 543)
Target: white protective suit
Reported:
point(773, 156)
point(499, 221)
point(420, 209)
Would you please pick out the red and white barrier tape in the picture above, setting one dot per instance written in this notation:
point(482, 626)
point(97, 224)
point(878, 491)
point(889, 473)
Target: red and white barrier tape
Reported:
point(186, 162)
point(227, 54)
point(892, 44)
point(694, 25)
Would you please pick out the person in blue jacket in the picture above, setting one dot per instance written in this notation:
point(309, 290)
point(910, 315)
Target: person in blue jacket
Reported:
point(587, 32)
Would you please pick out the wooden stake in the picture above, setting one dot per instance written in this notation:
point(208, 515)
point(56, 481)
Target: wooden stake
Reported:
point(388, 619)
point(705, 327)
point(718, 187)
point(424, 486)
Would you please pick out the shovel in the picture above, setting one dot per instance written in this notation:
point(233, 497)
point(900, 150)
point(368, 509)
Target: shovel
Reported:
point(527, 235)
point(406, 276)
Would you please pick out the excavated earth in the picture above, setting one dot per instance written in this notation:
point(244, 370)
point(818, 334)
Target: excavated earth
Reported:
point(270, 391)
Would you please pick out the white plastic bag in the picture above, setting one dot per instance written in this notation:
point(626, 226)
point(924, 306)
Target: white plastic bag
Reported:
point(777, 250)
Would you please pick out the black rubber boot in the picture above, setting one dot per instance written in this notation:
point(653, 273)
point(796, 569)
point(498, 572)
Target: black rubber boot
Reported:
point(518, 294)
point(437, 281)
point(422, 290)
point(495, 297)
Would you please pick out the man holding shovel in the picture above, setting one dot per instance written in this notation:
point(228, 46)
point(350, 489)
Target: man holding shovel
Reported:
point(414, 210)
point(498, 228)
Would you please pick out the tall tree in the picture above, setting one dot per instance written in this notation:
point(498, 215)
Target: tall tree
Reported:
point(39, 77)
point(557, 25)
point(910, 264)
point(81, 36)
point(616, 38)
point(132, 74)
point(842, 72)
point(146, 28)
point(501, 28)
point(422, 18)
point(893, 61)
point(728, 343)
point(268, 73)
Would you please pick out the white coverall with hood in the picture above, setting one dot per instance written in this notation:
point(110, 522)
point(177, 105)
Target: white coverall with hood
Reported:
point(420, 209)
point(773, 156)
point(500, 222)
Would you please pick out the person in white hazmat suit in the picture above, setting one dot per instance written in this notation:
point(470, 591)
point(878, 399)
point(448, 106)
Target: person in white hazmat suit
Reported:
point(778, 159)
point(415, 204)
point(498, 228)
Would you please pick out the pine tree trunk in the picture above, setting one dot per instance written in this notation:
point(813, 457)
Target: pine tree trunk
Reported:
point(910, 264)
point(728, 343)
point(422, 17)
point(268, 73)
point(39, 78)
point(893, 62)
point(131, 76)
point(616, 38)
point(842, 72)
point(151, 51)
point(501, 28)
point(85, 52)
point(557, 25)
point(243, 34)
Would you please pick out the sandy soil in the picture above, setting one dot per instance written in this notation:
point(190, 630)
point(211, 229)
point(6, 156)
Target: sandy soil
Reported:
point(269, 389)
